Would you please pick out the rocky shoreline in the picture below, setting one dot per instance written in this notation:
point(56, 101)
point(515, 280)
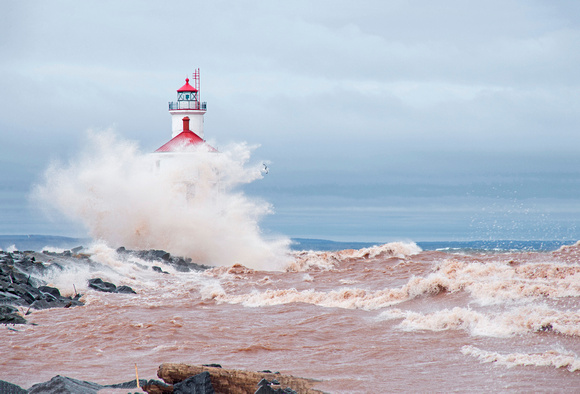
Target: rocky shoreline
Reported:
point(22, 287)
point(182, 379)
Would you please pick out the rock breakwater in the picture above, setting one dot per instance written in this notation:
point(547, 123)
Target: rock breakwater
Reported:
point(20, 287)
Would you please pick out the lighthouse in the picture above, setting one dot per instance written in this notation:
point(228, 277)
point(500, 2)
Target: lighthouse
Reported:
point(184, 156)
point(186, 118)
point(188, 104)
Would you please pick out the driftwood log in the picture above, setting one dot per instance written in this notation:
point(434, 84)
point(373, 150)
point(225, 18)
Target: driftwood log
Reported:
point(232, 381)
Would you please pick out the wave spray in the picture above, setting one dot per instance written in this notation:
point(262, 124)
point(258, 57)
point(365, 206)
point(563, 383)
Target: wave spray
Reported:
point(187, 203)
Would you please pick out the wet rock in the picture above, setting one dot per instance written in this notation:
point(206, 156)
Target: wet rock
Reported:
point(99, 285)
point(125, 290)
point(77, 249)
point(132, 384)
point(267, 389)
point(50, 290)
point(9, 298)
point(179, 263)
point(22, 291)
point(183, 265)
point(64, 385)
point(9, 388)
point(198, 384)
point(9, 315)
point(58, 303)
point(154, 386)
point(108, 287)
point(149, 255)
point(158, 269)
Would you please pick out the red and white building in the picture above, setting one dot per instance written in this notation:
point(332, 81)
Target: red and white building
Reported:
point(186, 118)
point(179, 156)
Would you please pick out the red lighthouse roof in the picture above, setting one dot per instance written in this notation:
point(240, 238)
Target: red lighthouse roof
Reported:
point(187, 87)
point(182, 141)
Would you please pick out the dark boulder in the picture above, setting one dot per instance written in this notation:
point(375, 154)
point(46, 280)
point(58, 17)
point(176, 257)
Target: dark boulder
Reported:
point(127, 385)
point(99, 285)
point(157, 386)
point(22, 291)
point(8, 298)
point(125, 290)
point(158, 269)
point(269, 390)
point(265, 387)
point(179, 263)
point(50, 290)
point(9, 315)
point(197, 384)
point(63, 302)
point(63, 385)
point(9, 388)
point(77, 249)
point(108, 287)
point(149, 255)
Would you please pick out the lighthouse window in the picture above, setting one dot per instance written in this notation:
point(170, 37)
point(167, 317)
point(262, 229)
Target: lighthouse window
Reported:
point(187, 96)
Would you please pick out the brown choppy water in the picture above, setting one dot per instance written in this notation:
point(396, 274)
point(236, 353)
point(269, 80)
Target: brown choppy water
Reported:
point(372, 320)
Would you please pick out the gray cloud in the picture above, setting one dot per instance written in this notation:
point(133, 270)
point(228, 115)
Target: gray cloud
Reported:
point(337, 93)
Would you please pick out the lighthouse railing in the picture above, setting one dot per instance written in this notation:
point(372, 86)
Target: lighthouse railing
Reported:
point(187, 105)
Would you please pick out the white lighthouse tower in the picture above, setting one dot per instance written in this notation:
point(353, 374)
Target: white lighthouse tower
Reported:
point(188, 105)
point(177, 157)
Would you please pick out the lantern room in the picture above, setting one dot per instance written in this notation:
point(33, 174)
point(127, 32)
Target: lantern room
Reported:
point(188, 104)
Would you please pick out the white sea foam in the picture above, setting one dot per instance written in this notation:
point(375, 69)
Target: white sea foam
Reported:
point(393, 249)
point(53, 249)
point(348, 298)
point(73, 274)
point(187, 204)
point(489, 283)
point(305, 260)
point(494, 282)
point(550, 358)
point(515, 321)
point(307, 278)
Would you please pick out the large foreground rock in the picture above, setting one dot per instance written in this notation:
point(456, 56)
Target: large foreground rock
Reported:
point(197, 384)
point(9, 388)
point(234, 381)
point(63, 385)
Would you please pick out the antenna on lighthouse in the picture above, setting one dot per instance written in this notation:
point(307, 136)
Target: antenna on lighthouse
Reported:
point(196, 83)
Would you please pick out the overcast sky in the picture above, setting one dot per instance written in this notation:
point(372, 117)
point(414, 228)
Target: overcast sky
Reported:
point(381, 119)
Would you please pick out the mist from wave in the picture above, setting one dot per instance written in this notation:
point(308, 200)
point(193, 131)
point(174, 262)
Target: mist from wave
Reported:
point(188, 203)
